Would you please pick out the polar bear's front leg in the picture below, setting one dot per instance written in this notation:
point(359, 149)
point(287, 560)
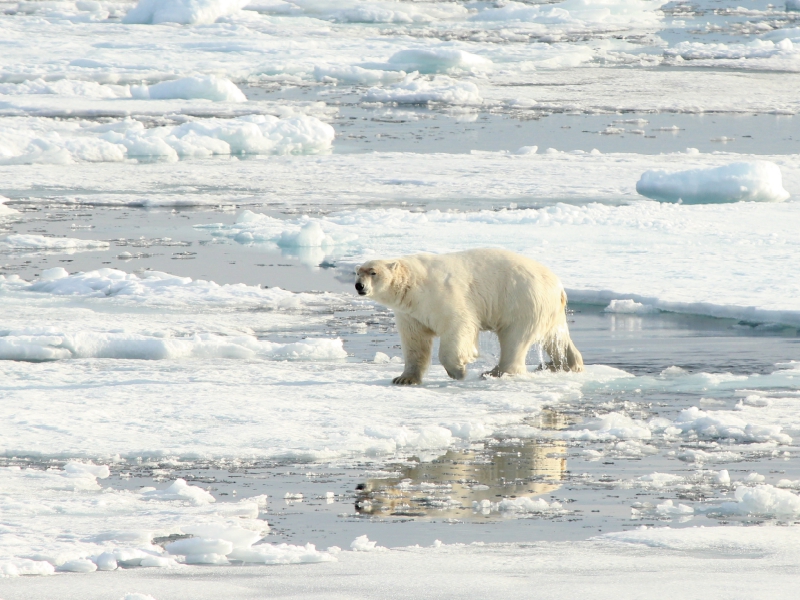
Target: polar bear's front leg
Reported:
point(417, 342)
point(457, 349)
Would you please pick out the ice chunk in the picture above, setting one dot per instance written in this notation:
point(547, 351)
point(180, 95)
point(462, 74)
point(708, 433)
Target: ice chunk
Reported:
point(105, 561)
point(238, 536)
point(659, 480)
point(363, 544)
point(281, 554)
point(438, 60)
point(521, 505)
point(180, 490)
point(629, 307)
point(763, 500)
point(310, 235)
point(722, 424)
point(357, 75)
point(199, 546)
point(416, 90)
point(25, 566)
point(723, 477)
point(757, 181)
point(668, 508)
point(159, 562)
point(526, 505)
point(206, 559)
point(615, 425)
point(78, 565)
point(208, 87)
point(39, 242)
point(187, 12)
point(701, 456)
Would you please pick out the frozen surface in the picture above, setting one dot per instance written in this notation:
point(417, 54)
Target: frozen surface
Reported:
point(716, 563)
point(178, 423)
point(190, 12)
point(39, 140)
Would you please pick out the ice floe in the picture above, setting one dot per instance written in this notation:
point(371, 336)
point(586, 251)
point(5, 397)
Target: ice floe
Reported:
point(208, 88)
point(53, 345)
point(114, 142)
point(22, 242)
point(155, 288)
point(722, 424)
point(441, 89)
point(211, 534)
point(758, 181)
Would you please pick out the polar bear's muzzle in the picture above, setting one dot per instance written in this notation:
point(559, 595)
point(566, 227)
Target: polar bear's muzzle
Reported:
point(361, 289)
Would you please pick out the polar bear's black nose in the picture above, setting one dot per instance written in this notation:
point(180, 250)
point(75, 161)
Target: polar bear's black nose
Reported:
point(360, 288)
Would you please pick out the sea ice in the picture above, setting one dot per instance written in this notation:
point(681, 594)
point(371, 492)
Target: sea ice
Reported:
point(208, 88)
point(62, 144)
point(758, 181)
point(762, 500)
point(31, 242)
point(363, 544)
point(629, 307)
point(437, 60)
point(723, 424)
point(190, 12)
point(441, 89)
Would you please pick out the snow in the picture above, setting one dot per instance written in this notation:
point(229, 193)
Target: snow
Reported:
point(189, 12)
point(758, 181)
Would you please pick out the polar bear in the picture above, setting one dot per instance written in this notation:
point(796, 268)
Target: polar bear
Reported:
point(456, 296)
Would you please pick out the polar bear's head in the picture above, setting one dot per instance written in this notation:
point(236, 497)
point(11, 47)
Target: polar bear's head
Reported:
point(383, 280)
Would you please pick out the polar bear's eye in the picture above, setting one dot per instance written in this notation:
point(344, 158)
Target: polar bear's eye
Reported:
point(373, 273)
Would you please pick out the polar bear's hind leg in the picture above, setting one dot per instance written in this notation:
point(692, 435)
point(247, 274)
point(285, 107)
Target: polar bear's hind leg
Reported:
point(514, 345)
point(457, 348)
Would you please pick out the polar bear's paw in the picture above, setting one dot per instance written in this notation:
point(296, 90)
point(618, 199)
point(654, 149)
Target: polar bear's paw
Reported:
point(496, 372)
point(405, 379)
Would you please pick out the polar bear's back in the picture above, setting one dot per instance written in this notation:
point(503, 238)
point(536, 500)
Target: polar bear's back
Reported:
point(499, 288)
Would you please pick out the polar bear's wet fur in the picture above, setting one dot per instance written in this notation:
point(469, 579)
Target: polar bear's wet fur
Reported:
point(456, 296)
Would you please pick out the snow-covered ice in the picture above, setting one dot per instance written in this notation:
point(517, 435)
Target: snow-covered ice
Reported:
point(159, 428)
